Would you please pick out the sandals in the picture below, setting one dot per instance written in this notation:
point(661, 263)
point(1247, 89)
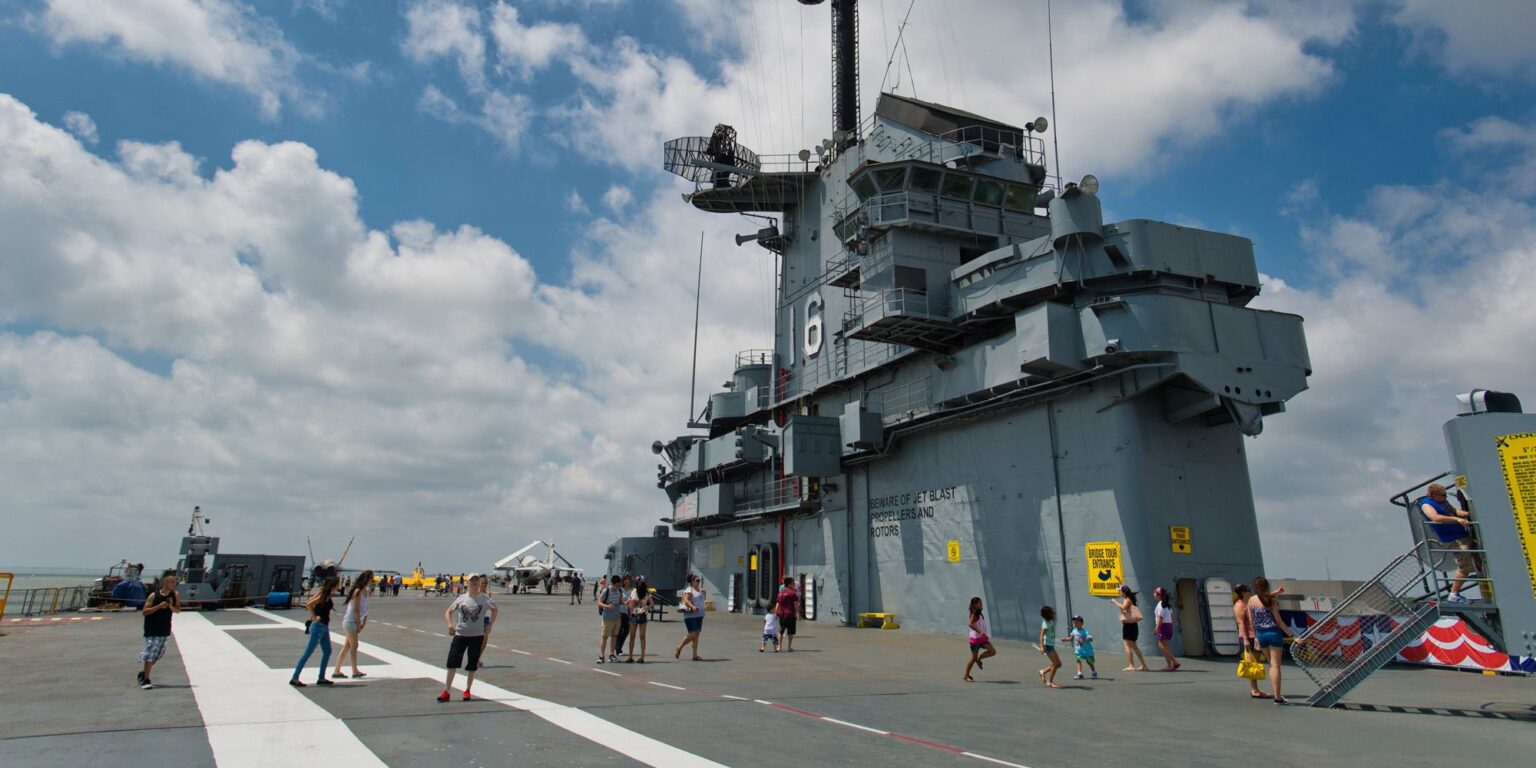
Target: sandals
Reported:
point(1259, 695)
point(970, 679)
point(358, 675)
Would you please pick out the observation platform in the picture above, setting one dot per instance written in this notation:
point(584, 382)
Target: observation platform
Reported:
point(845, 697)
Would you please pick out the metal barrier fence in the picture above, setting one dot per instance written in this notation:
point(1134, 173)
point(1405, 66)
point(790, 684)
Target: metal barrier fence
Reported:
point(1366, 630)
point(43, 601)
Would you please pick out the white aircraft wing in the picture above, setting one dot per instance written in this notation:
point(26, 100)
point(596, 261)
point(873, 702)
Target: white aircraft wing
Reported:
point(511, 561)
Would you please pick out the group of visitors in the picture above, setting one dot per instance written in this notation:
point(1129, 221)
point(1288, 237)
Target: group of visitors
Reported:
point(1261, 632)
point(1256, 610)
point(624, 603)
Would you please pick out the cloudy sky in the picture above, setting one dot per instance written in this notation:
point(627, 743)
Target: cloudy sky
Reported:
point(412, 272)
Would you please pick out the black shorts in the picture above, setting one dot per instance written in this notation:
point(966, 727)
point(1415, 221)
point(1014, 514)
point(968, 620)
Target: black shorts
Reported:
point(787, 625)
point(1130, 631)
point(639, 618)
point(459, 645)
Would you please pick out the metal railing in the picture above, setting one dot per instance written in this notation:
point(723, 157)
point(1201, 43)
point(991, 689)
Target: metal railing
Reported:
point(783, 492)
point(901, 402)
point(897, 302)
point(1366, 630)
point(973, 140)
point(44, 601)
point(748, 357)
point(850, 358)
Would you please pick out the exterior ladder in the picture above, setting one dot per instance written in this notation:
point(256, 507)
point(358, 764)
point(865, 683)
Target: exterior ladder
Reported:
point(1368, 629)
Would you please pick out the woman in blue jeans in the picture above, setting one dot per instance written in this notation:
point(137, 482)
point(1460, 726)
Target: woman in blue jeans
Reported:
point(319, 632)
point(1269, 630)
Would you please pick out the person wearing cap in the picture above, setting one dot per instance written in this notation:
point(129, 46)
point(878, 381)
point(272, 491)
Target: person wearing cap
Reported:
point(1082, 648)
point(470, 616)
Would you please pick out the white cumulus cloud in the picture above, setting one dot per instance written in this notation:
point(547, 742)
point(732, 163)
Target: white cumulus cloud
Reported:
point(224, 41)
point(82, 126)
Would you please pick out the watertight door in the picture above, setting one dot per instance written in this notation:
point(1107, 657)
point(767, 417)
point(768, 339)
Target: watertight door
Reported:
point(1218, 610)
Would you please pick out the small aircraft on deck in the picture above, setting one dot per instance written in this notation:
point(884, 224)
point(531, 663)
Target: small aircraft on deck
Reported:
point(525, 571)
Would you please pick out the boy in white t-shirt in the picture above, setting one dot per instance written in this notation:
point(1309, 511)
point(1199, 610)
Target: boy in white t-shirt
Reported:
point(469, 618)
point(770, 633)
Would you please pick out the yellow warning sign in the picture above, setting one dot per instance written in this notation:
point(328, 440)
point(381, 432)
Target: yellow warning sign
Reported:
point(1517, 453)
point(1178, 538)
point(954, 551)
point(1105, 572)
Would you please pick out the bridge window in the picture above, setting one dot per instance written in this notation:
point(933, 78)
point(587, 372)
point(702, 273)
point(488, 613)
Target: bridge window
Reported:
point(864, 187)
point(926, 179)
point(891, 179)
point(957, 185)
point(1020, 198)
point(988, 192)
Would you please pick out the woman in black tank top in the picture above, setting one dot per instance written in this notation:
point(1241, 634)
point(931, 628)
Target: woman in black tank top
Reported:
point(320, 607)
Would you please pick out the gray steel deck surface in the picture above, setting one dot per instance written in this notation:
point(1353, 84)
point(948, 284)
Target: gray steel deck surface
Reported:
point(69, 698)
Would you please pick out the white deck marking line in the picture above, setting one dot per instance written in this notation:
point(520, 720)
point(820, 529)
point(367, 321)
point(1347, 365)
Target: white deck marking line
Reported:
point(732, 698)
point(231, 684)
point(562, 661)
point(606, 672)
point(760, 701)
point(514, 650)
point(237, 627)
point(581, 723)
point(856, 725)
point(664, 685)
point(994, 760)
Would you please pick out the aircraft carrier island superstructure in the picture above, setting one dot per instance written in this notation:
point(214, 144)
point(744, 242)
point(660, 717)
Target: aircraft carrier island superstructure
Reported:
point(976, 386)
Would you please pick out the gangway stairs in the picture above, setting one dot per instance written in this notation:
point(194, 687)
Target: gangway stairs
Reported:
point(1389, 612)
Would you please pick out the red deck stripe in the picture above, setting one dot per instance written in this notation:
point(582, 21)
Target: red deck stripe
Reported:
point(926, 743)
point(800, 712)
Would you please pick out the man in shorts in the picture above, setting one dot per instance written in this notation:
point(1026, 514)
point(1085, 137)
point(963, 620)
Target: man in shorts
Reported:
point(471, 615)
point(787, 608)
point(159, 606)
point(1453, 527)
point(611, 605)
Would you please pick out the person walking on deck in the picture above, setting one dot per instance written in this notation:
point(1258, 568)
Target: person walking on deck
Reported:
point(693, 616)
point(469, 617)
point(1047, 647)
point(1082, 649)
point(1130, 628)
point(980, 642)
point(319, 606)
point(352, 622)
point(1162, 617)
point(159, 606)
point(787, 606)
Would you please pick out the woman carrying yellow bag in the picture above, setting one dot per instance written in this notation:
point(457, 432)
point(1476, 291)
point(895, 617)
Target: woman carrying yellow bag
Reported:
point(1251, 668)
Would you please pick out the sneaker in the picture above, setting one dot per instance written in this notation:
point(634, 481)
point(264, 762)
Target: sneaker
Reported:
point(146, 685)
point(601, 660)
point(323, 681)
point(1455, 597)
point(1077, 676)
point(295, 683)
point(443, 697)
point(613, 657)
point(466, 696)
point(1095, 675)
point(140, 677)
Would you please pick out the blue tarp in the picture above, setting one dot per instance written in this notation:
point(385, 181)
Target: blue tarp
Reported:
point(129, 593)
